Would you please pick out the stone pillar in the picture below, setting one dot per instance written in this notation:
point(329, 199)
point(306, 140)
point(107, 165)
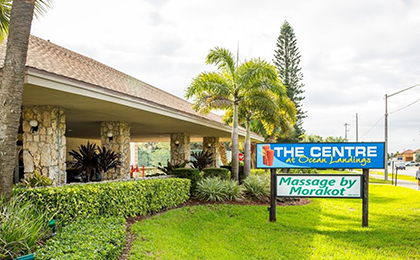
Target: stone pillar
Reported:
point(44, 146)
point(115, 136)
point(211, 144)
point(180, 148)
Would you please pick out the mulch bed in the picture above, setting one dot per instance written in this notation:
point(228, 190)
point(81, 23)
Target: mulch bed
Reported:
point(130, 237)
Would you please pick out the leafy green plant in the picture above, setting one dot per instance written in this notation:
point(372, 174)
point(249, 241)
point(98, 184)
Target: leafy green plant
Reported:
point(21, 227)
point(86, 160)
point(188, 173)
point(93, 161)
point(35, 179)
point(97, 238)
point(257, 187)
point(124, 198)
point(221, 173)
point(214, 189)
point(108, 159)
point(169, 168)
point(202, 159)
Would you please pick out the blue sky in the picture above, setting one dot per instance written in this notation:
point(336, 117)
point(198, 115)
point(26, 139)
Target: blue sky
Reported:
point(353, 51)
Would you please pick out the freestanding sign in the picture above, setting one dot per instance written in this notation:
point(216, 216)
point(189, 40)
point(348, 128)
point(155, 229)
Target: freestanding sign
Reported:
point(323, 156)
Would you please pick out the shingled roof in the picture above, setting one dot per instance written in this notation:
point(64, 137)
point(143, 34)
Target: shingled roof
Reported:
point(49, 57)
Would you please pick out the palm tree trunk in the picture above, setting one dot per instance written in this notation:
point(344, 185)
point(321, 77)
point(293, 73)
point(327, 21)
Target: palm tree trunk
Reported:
point(235, 143)
point(247, 157)
point(12, 88)
point(222, 152)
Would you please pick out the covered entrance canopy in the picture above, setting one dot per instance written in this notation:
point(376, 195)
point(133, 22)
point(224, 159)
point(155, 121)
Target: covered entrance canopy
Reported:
point(90, 97)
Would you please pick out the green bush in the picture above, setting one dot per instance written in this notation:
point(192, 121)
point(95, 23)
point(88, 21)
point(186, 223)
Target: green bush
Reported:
point(259, 172)
point(21, 227)
point(221, 173)
point(123, 198)
point(188, 173)
point(35, 179)
point(97, 238)
point(214, 189)
point(257, 187)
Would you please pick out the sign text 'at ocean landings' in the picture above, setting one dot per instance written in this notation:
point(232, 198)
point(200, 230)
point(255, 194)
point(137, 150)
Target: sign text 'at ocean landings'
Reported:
point(321, 155)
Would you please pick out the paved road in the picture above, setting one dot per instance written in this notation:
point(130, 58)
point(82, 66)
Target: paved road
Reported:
point(401, 183)
point(409, 170)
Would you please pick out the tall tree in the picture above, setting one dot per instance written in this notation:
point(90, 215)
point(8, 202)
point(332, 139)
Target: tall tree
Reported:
point(228, 88)
point(269, 108)
point(287, 59)
point(11, 87)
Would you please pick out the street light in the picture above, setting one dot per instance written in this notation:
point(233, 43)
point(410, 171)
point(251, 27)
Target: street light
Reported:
point(386, 127)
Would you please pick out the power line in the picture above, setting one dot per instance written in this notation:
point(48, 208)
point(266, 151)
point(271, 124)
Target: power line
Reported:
point(405, 106)
point(372, 127)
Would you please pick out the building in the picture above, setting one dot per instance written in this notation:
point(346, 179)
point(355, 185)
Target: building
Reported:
point(69, 99)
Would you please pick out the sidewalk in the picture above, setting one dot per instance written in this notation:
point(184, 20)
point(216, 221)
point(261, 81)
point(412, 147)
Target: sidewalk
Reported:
point(401, 183)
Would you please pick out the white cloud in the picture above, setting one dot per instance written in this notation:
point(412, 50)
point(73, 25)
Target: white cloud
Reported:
point(353, 51)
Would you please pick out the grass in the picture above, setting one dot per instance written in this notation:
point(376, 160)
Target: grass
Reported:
point(323, 229)
point(400, 176)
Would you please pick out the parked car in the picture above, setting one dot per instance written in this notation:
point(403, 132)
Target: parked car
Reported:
point(400, 165)
point(412, 163)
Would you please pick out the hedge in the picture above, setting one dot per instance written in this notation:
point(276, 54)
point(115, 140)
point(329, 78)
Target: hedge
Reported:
point(85, 239)
point(222, 173)
point(122, 198)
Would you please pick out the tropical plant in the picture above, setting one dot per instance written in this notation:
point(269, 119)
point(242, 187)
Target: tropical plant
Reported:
point(257, 187)
point(227, 88)
point(169, 168)
point(214, 189)
point(86, 160)
point(13, 75)
point(35, 179)
point(21, 227)
point(287, 59)
point(108, 159)
point(202, 159)
point(93, 161)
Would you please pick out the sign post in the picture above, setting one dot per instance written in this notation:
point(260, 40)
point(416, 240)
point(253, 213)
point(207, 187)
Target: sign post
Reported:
point(322, 156)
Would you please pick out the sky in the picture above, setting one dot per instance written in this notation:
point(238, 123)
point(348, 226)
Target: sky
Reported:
point(353, 52)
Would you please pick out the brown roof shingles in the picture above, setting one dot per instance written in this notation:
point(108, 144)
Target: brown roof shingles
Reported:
point(46, 56)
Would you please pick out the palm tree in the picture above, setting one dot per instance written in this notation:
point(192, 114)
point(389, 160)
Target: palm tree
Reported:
point(267, 113)
point(21, 15)
point(229, 87)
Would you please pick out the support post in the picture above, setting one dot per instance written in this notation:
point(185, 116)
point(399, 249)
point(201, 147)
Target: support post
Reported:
point(365, 207)
point(273, 197)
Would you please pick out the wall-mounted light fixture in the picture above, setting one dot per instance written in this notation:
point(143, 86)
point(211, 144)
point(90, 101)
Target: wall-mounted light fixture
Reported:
point(177, 143)
point(34, 125)
point(110, 136)
point(209, 146)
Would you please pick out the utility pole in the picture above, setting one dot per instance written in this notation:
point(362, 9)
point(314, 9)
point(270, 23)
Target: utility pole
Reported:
point(346, 131)
point(386, 127)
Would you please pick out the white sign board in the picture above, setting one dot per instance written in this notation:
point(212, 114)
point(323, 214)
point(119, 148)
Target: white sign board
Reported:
point(319, 185)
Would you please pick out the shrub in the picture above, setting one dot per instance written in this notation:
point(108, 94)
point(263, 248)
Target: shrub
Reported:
point(221, 173)
point(188, 173)
point(92, 161)
point(169, 168)
point(202, 160)
point(214, 189)
point(259, 172)
point(302, 171)
point(123, 198)
point(98, 238)
point(21, 226)
point(35, 180)
point(257, 187)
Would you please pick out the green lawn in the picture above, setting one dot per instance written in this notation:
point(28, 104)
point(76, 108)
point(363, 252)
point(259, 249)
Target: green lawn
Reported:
point(323, 229)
